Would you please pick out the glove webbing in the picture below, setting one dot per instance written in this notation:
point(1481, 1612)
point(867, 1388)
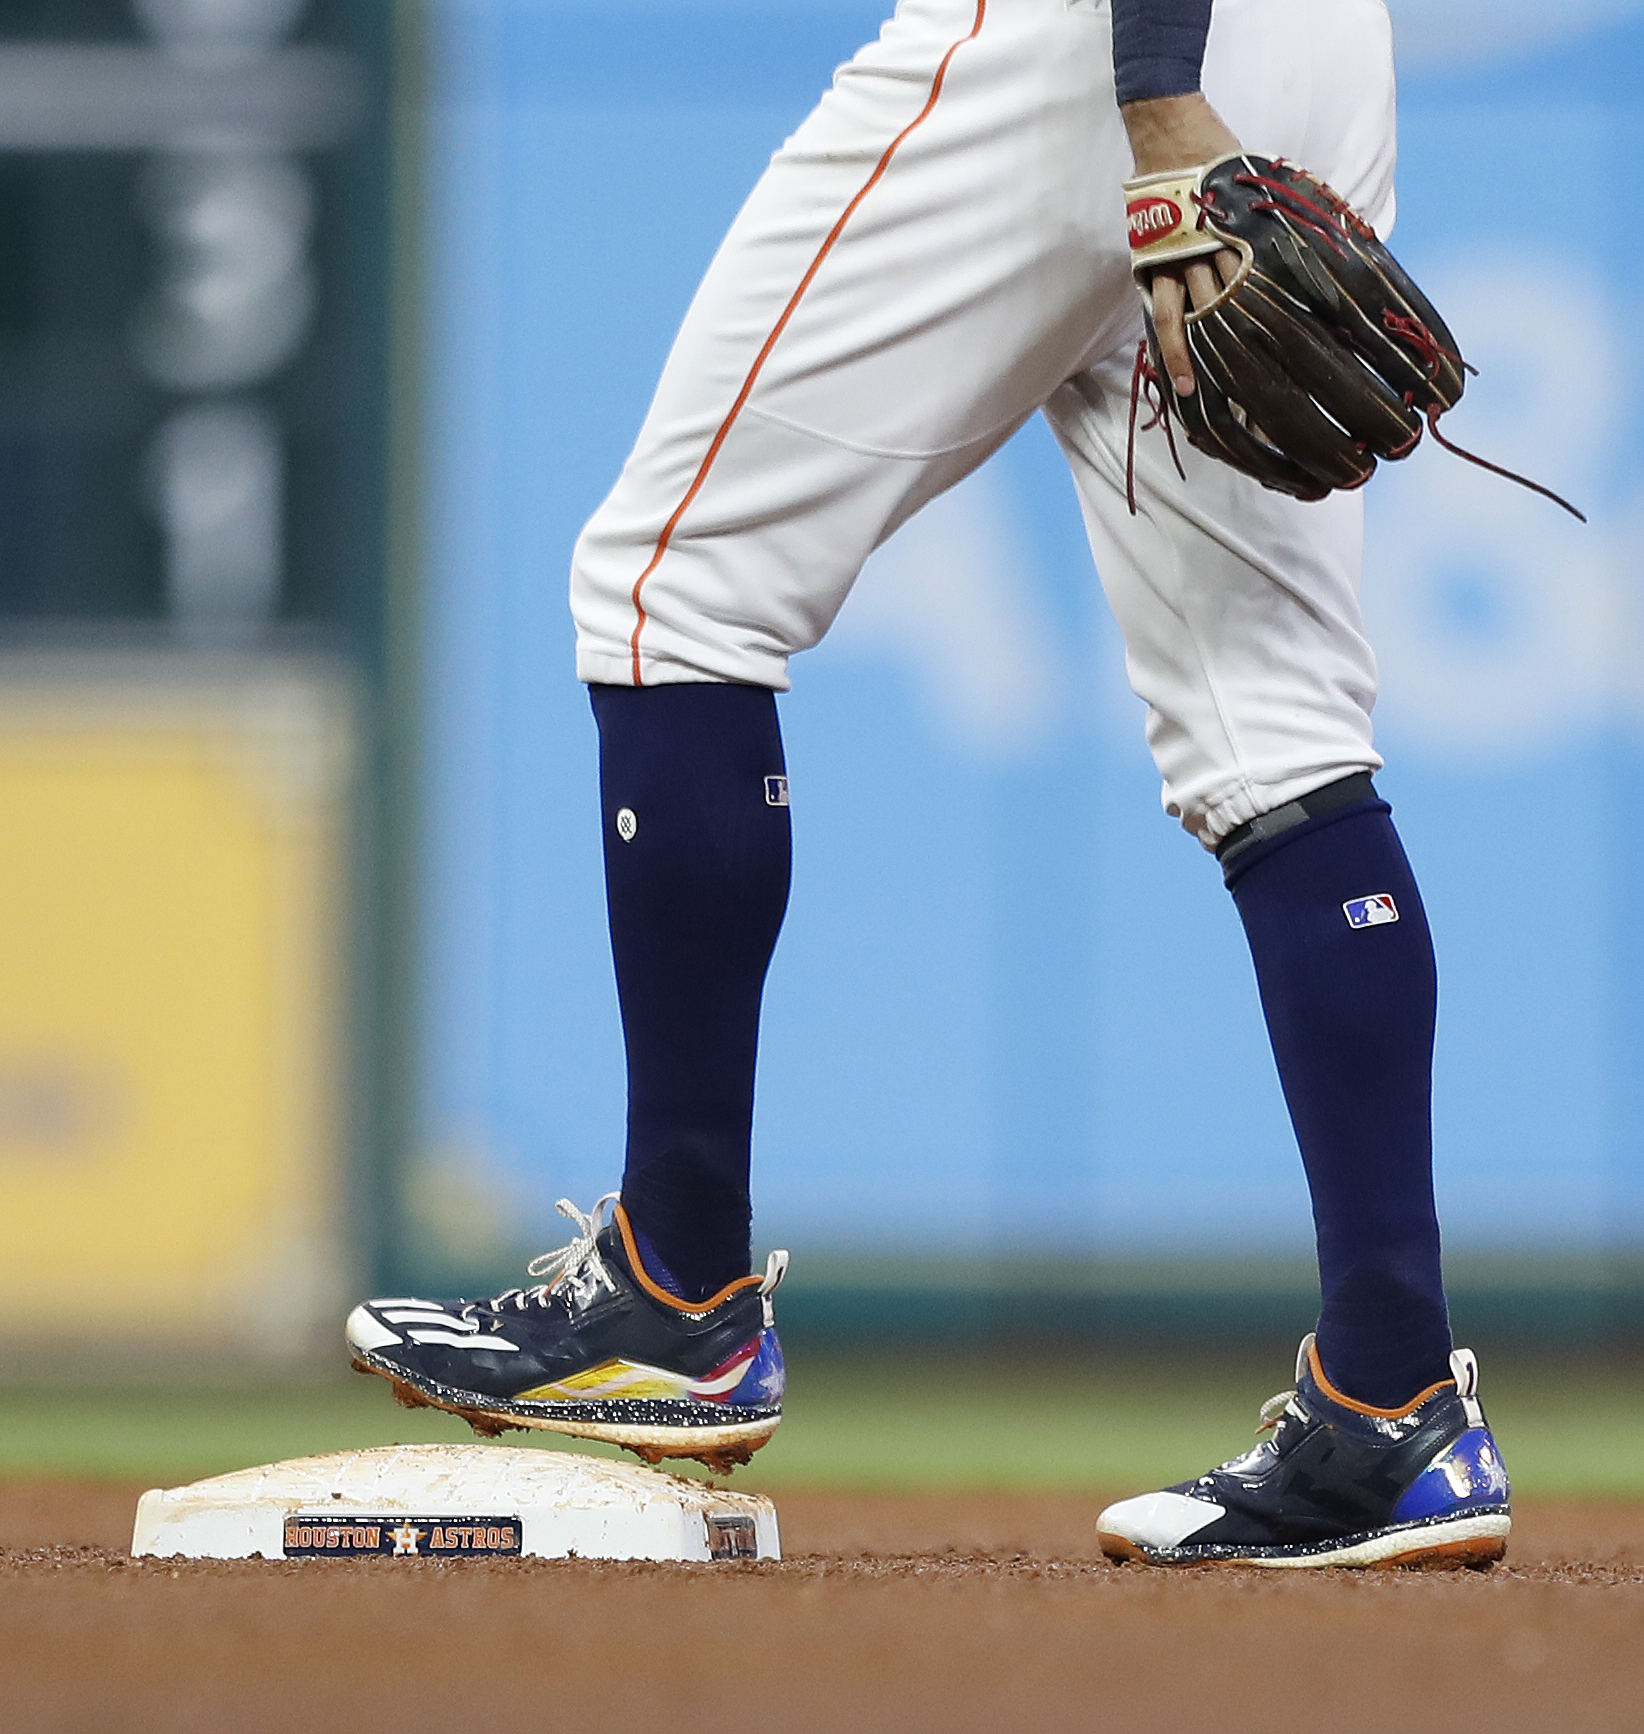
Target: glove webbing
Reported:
point(1146, 382)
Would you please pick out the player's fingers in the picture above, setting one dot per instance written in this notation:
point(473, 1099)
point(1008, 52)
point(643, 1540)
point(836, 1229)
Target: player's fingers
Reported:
point(1203, 284)
point(1227, 265)
point(1169, 322)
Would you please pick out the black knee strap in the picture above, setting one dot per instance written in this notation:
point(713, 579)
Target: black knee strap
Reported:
point(1342, 793)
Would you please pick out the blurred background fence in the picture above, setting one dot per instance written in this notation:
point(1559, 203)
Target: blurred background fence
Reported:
point(322, 328)
point(199, 907)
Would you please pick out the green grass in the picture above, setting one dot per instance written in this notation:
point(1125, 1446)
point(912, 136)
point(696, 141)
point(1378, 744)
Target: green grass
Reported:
point(1567, 1427)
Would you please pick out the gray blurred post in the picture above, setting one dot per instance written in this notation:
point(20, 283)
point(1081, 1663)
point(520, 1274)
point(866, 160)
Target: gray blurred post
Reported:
point(222, 456)
point(391, 875)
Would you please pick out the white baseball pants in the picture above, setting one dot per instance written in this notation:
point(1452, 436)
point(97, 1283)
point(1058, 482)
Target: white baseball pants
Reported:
point(936, 253)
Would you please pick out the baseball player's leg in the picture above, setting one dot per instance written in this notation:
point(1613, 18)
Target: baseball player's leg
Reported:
point(920, 266)
point(693, 795)
point(1243, 636)
point(1242, 626)
point(924, 262)
point(1243, 632)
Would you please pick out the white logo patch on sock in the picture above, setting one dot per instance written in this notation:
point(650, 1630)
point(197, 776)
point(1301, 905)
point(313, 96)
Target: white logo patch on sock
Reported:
point(1374, 911)
point(776, 791)
point(627, 824)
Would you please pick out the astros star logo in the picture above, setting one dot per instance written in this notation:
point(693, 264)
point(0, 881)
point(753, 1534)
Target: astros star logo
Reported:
point(406, 1536)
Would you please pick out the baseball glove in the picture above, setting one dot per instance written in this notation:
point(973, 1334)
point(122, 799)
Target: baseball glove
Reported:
point(1321, 355)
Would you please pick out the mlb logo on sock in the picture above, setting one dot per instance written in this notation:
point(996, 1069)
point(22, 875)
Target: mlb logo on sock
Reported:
point(776, 791)
point(1374, 911)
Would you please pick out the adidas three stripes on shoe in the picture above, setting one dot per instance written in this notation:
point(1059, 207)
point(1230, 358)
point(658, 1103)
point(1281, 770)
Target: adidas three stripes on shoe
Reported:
point(595, 1349)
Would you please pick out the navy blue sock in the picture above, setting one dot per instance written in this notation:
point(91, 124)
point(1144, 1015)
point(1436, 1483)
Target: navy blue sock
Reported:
point(693, 794)
point(1350, 995)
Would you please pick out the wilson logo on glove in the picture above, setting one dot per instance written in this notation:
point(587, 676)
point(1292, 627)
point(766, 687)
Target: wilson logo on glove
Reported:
point(1151, 218)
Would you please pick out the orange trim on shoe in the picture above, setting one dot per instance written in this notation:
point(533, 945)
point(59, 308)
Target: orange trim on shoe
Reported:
point(626, 1229)
point(776, 331)
point(1359, 1408)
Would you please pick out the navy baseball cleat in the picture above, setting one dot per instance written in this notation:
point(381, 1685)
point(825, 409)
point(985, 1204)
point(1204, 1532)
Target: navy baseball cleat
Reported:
point(1336, 1484)
point(595, 1349)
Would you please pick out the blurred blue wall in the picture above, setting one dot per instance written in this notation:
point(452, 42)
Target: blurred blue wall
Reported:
point(1012, 1004)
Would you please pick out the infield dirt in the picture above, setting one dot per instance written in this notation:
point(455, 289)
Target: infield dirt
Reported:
point(977, 1611)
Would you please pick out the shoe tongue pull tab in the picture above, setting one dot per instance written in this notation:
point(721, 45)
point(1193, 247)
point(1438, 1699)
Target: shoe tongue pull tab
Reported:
point(1304, 1352)
point(776, 1267)
point(1464, 1370)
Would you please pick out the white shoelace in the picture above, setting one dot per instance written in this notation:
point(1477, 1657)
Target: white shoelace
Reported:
point(1272, 1413)
point(577, 1271)
point(1273, 1408)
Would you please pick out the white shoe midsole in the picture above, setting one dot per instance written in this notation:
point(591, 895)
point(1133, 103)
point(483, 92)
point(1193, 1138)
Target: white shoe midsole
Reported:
point(1377, 1549)
point(670, 1441)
